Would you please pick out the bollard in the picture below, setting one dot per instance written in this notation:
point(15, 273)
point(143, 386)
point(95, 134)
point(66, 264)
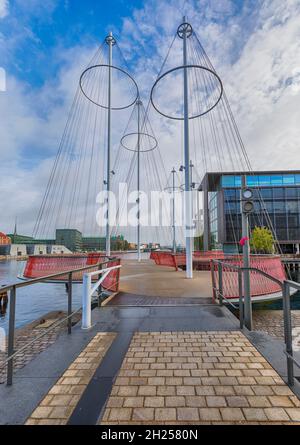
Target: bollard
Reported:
point(86, 322)
point(288, 332)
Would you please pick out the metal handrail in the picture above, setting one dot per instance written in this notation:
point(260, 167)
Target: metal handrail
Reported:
point(285, 287)
point(11, 353)
point(49, 277)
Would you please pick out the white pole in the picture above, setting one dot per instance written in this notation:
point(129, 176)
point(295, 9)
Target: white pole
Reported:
point(139, 103)
point(173, 210)
point(188, 201)
point(86, 322)
point(109, 41)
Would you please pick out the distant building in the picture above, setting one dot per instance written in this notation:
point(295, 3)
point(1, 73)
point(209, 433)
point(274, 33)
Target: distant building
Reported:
point(276, 200)
point(94, 243)
point(4, 239)
point(71, 238)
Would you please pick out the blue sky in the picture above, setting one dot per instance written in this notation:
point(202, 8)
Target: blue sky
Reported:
point(254, 45)
point(40, 30)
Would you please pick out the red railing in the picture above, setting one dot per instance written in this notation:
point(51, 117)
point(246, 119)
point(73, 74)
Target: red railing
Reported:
point(259, 284)
point(201, 259)
point(43, 265)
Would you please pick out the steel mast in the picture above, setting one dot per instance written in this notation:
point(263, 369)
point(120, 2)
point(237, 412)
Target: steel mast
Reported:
point(110, 41)
point(185, 31)
point(139, 104)
point(173, 210)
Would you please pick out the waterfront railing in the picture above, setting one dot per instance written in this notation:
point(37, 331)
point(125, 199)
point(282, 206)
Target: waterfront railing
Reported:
point(109, 265)
point(236, 281)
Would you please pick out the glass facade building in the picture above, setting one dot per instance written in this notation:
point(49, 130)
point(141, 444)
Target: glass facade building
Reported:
point(276, 205)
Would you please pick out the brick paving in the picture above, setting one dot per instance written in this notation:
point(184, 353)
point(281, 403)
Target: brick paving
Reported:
point(198, 378)
point(25, 335)
point(272, 322)
point(58, 405)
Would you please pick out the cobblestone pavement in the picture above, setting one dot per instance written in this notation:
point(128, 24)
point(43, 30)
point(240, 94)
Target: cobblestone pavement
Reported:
point(27, 334)
point(59, 403)
point(271, 321)
point(198, 378)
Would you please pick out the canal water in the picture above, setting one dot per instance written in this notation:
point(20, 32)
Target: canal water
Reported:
point(34, 301)
point(38, 299)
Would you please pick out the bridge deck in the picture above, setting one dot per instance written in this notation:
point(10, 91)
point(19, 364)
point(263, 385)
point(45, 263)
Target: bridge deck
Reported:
point(149, 279)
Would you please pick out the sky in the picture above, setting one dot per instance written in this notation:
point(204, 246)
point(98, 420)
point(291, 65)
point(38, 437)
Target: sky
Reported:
point(44, 46)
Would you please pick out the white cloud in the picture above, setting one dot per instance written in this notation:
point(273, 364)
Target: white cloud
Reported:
point(4, 7)
point(255, 51)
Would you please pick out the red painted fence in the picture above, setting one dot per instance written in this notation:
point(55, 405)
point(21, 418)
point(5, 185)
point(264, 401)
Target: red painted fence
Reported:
point(42, 265)
point(201, 260)
point(259, 284)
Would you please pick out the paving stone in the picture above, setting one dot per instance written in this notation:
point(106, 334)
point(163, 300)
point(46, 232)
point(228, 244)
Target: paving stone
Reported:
point(215, 401)
point(133, 402)
point(143, 414)
point(232, 414)
point(258, 401)
point(276, 414)
point(195, 401)
point(255, 414)
point(209, 414)
point(188, 414)
point(165, 414)
point(237, 401)
point(154, 402)
point(282, 401)
point(119, 414)
point(166, 390)
point(294, 414)
point(175, 401)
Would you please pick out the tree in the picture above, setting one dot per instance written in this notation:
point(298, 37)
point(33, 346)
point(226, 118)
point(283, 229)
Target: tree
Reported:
point(262, 240)
point(198, 243)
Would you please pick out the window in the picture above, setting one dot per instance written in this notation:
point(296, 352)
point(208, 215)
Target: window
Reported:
point(276, 179)
point(227, 181)
point(231, 181)
point(264, 180)
point(291, 192)
point(231, 194)
point(266, 193)
point(278, 193)
point(292, 206)
point(288, 179)
point(252, 181)
point(279, 206)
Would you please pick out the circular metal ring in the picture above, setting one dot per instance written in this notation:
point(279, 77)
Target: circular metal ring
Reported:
point(115, 68)
point(184, 28)
point(141, 134)
point(170, 189)
point(192, 182)
point(178, 68)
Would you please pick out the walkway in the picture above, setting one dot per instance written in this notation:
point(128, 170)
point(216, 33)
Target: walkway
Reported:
point(155, 364)
point(172, 378)
point(147, 278)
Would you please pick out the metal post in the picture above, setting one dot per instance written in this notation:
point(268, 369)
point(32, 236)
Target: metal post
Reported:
point(288, 332)
point(70, 303)
point(220, 276)
point(241, 302)
point(100, 288)
point(86, 302)
point(198, 219)
point(110, 42)
point(188, 203)
point(139, 103)
point(11, 334)
point(173, 210)
point(246, 264)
